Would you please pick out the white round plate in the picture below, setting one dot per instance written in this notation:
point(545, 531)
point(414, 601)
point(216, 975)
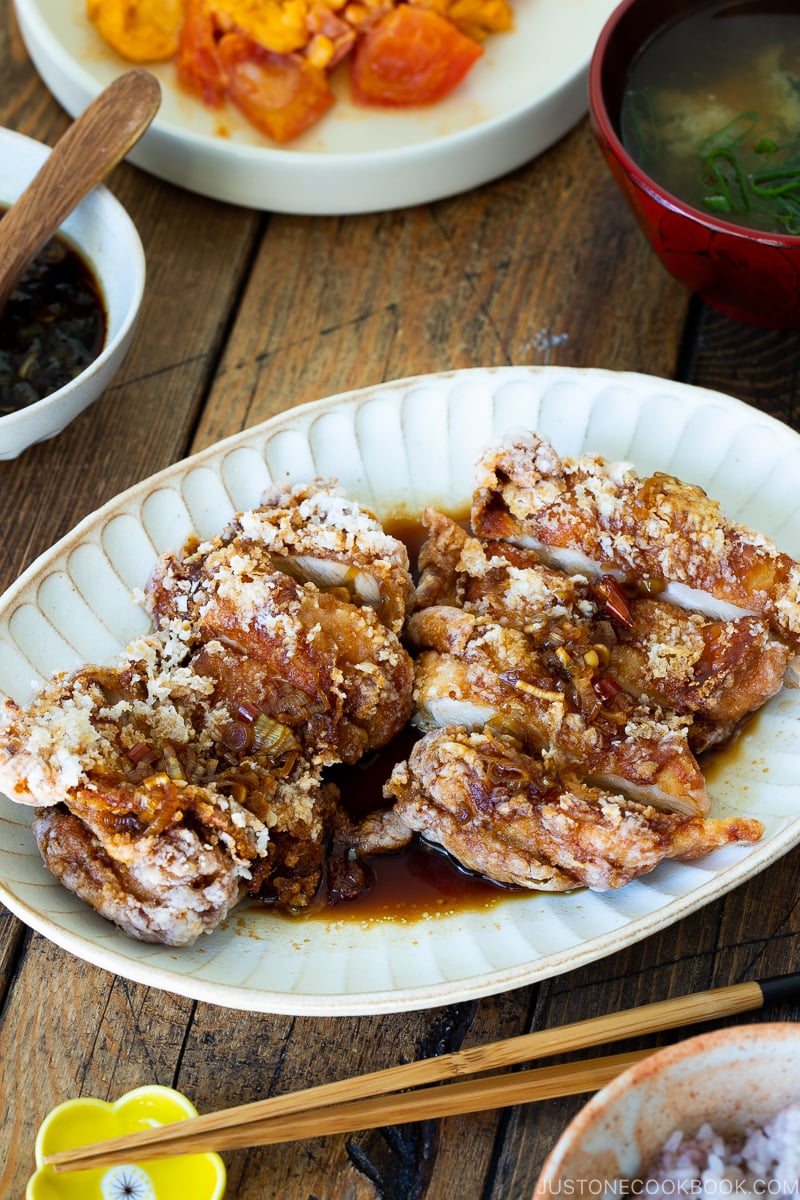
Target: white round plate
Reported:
point(524, 93)
point(397, 447)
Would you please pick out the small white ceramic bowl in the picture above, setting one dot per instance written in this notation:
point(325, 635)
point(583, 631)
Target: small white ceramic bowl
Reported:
point(730, 1078)
point(107, 239)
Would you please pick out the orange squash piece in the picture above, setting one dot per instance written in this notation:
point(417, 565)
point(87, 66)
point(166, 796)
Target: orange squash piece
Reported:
point(139, 30)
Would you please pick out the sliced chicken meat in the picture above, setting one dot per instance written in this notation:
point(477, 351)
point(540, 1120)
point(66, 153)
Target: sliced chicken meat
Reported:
point(505, 814)
point(495, 677)
point(495, 579)
point(596, 516)
point(140, 778)
point(316, 535)
point(172, 889)
point(327, 668)
point(718, 671)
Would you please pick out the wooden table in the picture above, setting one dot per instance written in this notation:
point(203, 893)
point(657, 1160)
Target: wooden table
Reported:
point(248, 314)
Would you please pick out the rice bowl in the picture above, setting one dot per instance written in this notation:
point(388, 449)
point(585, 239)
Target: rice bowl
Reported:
point(720, 1088)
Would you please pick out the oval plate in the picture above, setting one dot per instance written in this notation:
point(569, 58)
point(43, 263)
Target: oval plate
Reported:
point(397, 447)
point(524, 93)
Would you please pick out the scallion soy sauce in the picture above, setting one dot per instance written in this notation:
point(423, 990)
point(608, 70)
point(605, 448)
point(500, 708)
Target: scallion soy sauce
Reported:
point(52, 327)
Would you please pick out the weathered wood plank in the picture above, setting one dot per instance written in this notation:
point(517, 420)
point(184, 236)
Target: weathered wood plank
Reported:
point(759, 366)
point(520, 271)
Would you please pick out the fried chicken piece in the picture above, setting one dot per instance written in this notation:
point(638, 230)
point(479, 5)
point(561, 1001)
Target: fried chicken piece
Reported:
point(476, 673)
point(170, 888)
point(112, 731)
point(719, 671)
point(505, 814)
point(314, 534)
point(206, 744)
point(332, 669)
point(595, 516)
point(380, 832)
point(160, 780)
point(495, 579)
point(327, 668)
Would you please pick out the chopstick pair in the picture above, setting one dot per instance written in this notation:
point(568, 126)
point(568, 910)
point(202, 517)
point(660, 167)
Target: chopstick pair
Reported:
point(366, 1101)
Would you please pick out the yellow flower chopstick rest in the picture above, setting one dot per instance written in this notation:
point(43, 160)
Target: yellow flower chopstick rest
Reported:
point(82, 1121)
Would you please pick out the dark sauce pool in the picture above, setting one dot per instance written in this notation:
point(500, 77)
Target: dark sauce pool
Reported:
point(419, 881)
point(51, 329)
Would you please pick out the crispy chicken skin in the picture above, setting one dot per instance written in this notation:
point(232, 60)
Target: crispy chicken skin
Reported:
point(718, 671)
point(314, 659)
point(324, 666)
point(498, 679)
point(510, 584)
point(599, 516)
point(168, 889)
point(503, 813)
point(146, 770)
point(679, 661)
point(315, 535)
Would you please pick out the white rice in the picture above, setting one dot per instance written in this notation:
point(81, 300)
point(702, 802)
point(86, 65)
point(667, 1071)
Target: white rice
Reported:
point(760, 1162)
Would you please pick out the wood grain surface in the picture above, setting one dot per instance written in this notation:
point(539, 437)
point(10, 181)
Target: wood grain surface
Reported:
point(247, 314)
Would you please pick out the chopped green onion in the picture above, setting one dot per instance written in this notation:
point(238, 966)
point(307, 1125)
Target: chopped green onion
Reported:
point(770, 192)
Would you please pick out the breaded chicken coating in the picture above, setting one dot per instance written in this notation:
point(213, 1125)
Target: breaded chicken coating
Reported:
point(327, 668)
point(716, 671)
point(496, 678)
point(505, 814)
point(315, 535)
point(592, 515)
point(145, 767)
point(719, 672)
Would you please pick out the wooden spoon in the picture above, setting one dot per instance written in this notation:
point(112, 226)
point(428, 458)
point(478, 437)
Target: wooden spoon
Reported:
point(95, 142)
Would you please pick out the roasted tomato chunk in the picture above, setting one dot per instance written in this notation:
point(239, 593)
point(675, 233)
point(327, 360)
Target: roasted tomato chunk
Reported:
point(281, 94)
point(411, 56)
point(198, 63)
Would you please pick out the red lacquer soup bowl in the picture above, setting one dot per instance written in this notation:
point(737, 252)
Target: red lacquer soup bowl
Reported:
point(745, 273)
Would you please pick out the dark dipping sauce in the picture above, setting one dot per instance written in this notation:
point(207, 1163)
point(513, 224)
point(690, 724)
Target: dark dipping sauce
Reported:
point(52, 327)
point(419, 881)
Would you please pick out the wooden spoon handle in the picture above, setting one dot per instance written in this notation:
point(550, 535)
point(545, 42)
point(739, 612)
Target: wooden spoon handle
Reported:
point(94, 143)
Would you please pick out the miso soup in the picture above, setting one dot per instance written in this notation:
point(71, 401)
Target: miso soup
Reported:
point(711, 111)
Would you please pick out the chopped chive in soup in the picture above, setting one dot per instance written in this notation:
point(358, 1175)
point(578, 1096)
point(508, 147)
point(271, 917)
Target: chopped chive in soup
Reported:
point(711, 111)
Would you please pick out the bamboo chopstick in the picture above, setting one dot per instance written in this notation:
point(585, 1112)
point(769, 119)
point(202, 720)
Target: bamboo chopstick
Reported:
point(363, 1099)
point(421, 1104)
